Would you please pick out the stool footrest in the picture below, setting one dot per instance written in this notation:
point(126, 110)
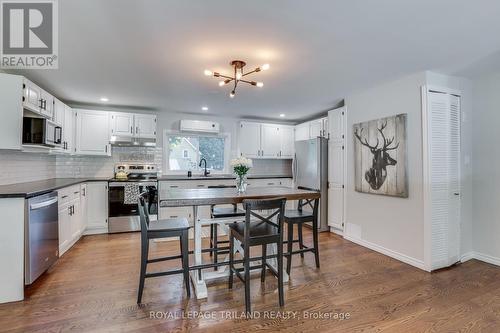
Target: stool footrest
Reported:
point(163, 259)
point(156, 274)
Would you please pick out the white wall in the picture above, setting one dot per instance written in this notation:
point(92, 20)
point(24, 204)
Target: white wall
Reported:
point(486, 168)
point(395, 226)
point(390, 224)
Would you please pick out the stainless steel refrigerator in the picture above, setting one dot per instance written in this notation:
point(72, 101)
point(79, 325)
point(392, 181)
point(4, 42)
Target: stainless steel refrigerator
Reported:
point(310, 169)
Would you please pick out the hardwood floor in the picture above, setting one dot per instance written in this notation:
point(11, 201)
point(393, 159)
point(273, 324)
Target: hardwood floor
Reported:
point(93, 289)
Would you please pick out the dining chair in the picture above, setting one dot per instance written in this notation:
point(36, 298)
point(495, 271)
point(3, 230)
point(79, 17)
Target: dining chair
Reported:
point(258, 230)
point(298, 217)
point(175, 227)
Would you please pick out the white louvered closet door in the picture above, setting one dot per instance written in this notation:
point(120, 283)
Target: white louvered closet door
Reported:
point(444, 162)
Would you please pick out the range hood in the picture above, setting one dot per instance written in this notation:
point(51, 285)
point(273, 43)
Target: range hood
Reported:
point(127, 141)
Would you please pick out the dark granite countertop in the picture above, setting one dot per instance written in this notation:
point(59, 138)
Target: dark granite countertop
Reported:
point(217, 177)
point(32, 189)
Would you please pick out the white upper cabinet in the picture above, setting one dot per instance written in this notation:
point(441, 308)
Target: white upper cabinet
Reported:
point(316, 128)
point(122, 124)
point(287, 141)
point(68, 145)
point(92, 133)
point(266, 140)
point(37, 100)
point(32, 99)
point(249, 139)
point(312, 129)
point(336, 127)
point(270, 140)
point(47, 104)
point(302, 132)
point(58, 112)
point(145, 126)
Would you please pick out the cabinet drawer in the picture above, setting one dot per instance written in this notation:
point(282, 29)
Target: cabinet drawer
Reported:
point(175, 212)
point(68, 194)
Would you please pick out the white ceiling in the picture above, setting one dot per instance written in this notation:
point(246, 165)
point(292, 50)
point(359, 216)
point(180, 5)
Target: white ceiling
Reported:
point(151, 54)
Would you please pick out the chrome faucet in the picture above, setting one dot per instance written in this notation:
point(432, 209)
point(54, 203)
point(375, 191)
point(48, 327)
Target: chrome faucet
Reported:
point(206, 172)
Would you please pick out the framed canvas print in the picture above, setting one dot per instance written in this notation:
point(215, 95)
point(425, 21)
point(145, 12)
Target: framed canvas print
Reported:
point(380, 160)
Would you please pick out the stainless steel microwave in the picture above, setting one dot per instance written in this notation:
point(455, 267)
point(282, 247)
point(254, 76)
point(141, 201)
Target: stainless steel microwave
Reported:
point(41, 131)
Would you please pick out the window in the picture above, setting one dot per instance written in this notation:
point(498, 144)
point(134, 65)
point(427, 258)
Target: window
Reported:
point(186, 151)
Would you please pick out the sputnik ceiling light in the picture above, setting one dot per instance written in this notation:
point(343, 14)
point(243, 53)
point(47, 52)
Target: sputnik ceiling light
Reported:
point(238, 75)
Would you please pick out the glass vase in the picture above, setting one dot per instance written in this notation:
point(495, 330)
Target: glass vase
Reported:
point(241, 183)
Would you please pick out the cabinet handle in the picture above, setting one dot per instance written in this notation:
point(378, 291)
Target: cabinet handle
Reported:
point(106, 148)
point(200, 185)
point(136, 129)
point(131, 129)
point(64, 197)
point(76, 192)
point(174, 186)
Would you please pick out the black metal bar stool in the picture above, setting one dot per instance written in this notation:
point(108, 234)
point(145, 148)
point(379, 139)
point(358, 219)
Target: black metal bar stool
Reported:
point(299, 217)
point(259, 232)
point(177, 227)
point(221, 212)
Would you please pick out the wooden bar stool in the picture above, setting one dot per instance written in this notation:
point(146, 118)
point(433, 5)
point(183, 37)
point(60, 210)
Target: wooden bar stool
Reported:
point(299, 217)
point(221, 212)
point(261, 231)
point(177, 227)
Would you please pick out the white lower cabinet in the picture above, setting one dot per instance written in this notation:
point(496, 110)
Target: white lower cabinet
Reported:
point(83, 209)
point(64, 228)
point(70, 217)
point(97, 208)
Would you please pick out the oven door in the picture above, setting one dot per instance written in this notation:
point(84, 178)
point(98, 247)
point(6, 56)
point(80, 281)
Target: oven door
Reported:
point(123, 210)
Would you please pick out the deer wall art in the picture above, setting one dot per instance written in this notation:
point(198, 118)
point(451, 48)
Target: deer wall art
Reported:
point(380, 156)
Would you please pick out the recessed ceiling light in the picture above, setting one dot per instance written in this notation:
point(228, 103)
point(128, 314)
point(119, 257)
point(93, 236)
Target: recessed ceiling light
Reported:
point(104, 99)
point(204, 108)
point(282, 115)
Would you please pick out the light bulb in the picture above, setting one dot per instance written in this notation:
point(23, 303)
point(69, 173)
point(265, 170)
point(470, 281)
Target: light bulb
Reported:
point(204, 108)
point(238, 76)
point(208, 73)
point(265, 67)
point(260, 84)
point(282, 115)
point(221, 83)
point(232, 94)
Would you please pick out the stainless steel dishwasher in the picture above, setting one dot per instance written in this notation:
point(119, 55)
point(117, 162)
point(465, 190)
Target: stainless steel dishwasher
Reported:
point(41, 235)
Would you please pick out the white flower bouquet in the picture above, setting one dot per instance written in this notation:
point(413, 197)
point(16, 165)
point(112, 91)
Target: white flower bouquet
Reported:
point(241, 165)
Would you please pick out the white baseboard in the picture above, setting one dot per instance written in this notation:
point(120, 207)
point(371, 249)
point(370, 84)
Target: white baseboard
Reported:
point(95, 231)
point(393, 254)
point(336, 231)
point(480, 256)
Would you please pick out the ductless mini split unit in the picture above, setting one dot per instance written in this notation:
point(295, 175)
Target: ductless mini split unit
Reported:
point(199, 126)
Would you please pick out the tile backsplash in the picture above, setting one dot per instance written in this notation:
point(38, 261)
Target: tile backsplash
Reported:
point(18, 167)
